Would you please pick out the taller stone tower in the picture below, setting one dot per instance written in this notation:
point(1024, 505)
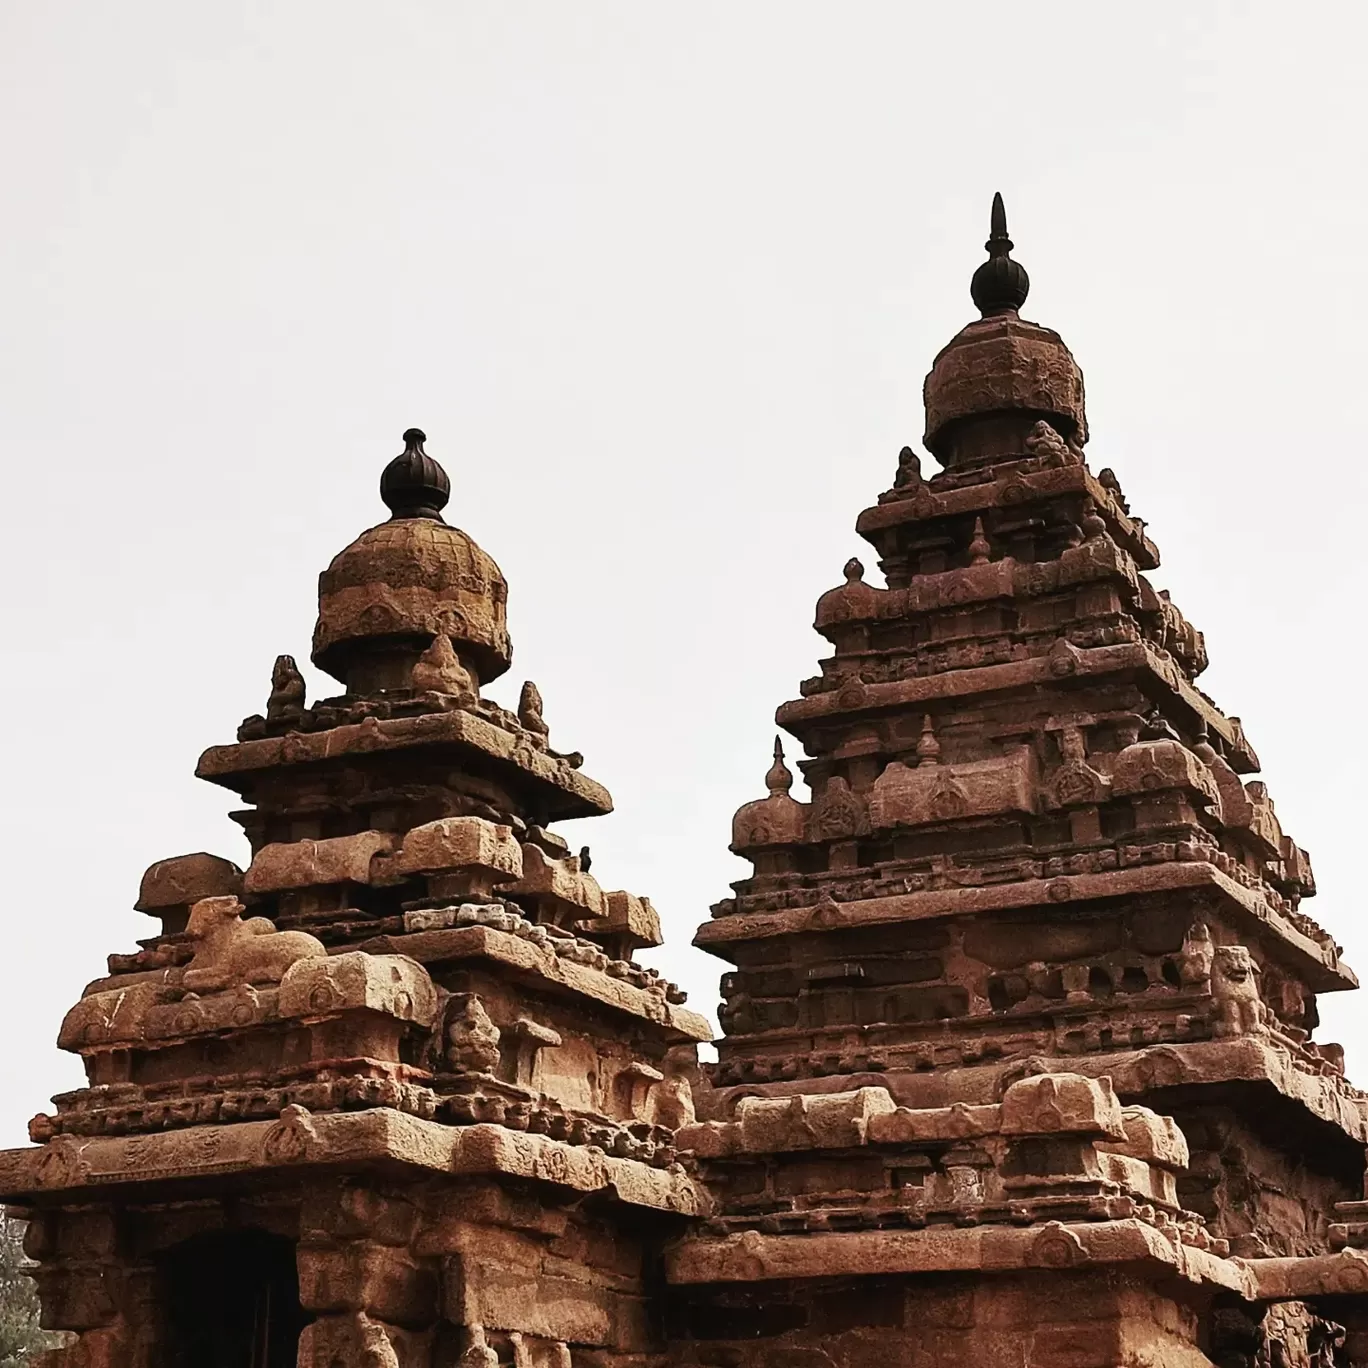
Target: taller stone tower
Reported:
point(1031, 918)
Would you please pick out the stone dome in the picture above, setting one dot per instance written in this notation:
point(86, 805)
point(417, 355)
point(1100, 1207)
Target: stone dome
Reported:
point(399, 585)
point(1002, 364)
point(1007, 373)
point(412, 578)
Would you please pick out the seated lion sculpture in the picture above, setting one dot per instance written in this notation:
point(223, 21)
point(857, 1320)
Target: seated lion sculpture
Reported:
point(230, 951)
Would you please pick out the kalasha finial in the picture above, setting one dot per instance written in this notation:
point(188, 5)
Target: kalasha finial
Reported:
point(999, 285)
point(779, 779)
point(928, 748)
point(413, 485)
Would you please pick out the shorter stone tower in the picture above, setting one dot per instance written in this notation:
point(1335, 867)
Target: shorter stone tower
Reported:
point(397, 1093)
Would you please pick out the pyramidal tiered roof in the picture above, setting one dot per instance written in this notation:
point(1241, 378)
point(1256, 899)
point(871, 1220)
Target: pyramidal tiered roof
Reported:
point(1031, 895)
point(1019, 1062)
point(413, 1018)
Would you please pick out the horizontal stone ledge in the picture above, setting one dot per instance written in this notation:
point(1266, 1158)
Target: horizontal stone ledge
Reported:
point(1085, 663)
point(72, 1168)
point(576, 794)
point(484, 942)
point(1318, 963)
point(1037, 484)
point(752, 1257)
point(1133, 1072)
point(1315, 1275)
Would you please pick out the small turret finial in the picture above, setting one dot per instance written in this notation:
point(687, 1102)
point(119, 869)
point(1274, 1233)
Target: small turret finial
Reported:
point(1000, 284)
point(413, 485)
point(928, 748)
point(779, 779)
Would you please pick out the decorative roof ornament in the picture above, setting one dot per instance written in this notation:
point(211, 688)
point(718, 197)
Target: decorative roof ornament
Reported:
point(980, 550)
point(1000, 284)
point(928, 748)
point(413, 485)
point(779, 779)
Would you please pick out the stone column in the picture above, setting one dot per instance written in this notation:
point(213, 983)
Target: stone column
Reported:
point(375, 1303)
point(89, 1287)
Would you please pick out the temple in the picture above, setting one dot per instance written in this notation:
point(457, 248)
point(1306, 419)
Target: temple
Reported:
point(1018, 1059)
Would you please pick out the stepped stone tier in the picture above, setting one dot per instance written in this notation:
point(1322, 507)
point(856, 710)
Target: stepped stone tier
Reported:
point(1018, 1062)
point(396, 1093)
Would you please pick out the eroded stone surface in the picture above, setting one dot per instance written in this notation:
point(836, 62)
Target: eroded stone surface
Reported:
point(1019, 1062)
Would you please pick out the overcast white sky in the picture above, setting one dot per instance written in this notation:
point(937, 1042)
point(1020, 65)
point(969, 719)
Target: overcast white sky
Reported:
point(661, 282)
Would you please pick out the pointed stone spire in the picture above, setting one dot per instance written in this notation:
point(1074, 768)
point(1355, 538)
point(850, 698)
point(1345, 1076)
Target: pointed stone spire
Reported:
point(928, 748)
point(779, 779)
point(979, 549)
point(413, 485)
point(1000, 284)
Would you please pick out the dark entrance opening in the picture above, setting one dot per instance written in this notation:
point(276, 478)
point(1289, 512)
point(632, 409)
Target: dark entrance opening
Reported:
point(232, 1301)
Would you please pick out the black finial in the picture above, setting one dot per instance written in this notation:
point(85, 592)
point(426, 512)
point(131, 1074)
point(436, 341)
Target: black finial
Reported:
point(1000, 284)
point(413, 485)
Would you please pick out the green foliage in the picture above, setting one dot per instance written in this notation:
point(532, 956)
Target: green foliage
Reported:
point(20, 1337)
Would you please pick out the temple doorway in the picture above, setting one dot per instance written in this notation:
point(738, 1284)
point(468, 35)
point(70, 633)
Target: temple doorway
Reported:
point(232, 1301)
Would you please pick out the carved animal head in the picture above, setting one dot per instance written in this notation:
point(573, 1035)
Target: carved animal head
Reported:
point(1236, 964)
point(211, 914)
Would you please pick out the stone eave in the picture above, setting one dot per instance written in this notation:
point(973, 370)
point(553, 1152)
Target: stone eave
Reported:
point(1093, 664)
point(927, 504)
point(1001, 581)
point(1214, 1062)
point(559, 975)
point(1134, 1073)
point(74, 1169)
point(566, 792)
point(752, 1257)
point(1318, 964)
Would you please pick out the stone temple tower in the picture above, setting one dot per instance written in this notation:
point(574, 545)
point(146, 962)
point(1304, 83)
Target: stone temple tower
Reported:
point(1019, 1063)
point(397, 1093)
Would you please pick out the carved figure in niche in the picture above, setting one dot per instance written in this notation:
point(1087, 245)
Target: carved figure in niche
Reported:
point(1045, 442)
point(230, 951)
point(1107, 479)
point(1235, 986)
point(840, 814)
point(472, 1038)
point(439, 670)
point(1157, 727)
point(670, 1102)
point(478, 1353)
point(286, 702)
point(1076, 782)
point(909, 474)
point(1198, 954)
point(530, 714)
point(734, 1013)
